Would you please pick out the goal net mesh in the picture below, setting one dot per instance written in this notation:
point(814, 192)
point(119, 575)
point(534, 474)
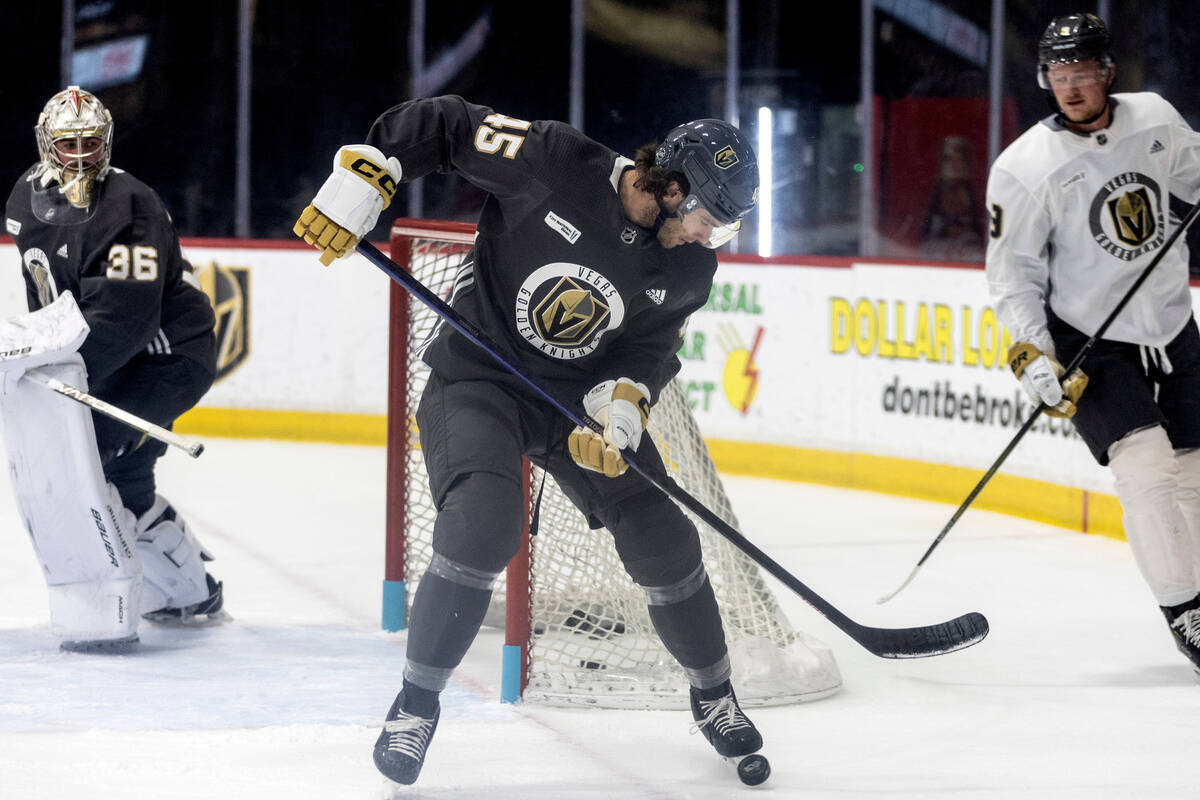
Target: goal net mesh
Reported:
point(591, 641)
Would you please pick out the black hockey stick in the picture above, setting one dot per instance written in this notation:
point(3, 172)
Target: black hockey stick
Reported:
point(930, 640)
point(1075, 362)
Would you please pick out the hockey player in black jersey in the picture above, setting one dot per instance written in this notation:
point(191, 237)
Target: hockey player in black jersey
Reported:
point(90, 230)
point(585, 270)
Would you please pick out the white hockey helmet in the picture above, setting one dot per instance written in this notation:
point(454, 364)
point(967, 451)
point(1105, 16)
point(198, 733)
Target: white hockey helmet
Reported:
point(74, 136)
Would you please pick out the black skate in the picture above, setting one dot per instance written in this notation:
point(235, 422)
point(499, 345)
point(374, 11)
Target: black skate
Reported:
point(719, 717)
point(400, 748)
point(1185, 627)
point(207, 611)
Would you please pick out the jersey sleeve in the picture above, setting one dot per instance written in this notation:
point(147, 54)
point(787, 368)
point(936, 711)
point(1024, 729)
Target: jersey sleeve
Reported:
point(1185, 157)
point(1018, 258)
point(648, 351)
point(121, 290)
point(501, 155)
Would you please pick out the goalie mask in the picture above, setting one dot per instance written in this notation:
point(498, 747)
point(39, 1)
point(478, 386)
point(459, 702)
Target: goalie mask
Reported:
point(74, 136)
point(721, 172)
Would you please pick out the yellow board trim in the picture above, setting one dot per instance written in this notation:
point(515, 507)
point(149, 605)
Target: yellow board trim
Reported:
point(1065, 506)
point(300, 426)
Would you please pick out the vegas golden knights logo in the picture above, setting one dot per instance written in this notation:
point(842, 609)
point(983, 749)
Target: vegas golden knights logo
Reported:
point(569, 314)
point(1132, 216)
point(228, 289)
point(725, 157)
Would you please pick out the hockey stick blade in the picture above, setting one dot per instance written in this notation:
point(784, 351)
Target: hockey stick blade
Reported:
point(929, 640)
point(1184, 224)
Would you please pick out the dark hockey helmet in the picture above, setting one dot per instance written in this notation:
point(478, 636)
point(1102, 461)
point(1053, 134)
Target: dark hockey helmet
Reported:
point(74, 137)
point(1072, 38)
point(721, 171)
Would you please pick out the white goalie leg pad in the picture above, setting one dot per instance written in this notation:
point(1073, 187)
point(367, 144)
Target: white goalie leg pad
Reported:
point(172, 562)
point(1147, 483)
point(81, 532)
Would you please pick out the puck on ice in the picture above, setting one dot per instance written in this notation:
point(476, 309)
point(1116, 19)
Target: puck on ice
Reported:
point(753, 769)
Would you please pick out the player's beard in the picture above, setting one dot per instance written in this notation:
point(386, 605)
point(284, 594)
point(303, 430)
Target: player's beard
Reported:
point(671, 233)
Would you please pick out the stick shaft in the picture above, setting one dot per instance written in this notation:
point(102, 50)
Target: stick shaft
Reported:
point(1184, 224)
point(888, 643)
point(190, 446)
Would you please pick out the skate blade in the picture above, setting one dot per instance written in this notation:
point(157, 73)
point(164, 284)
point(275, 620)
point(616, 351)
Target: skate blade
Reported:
point(189, 620)
point(105, 647)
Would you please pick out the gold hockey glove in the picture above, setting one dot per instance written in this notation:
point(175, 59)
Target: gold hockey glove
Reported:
point(1042, 378)
point(348, 204)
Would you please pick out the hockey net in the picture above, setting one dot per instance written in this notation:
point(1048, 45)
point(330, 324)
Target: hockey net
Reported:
point(580, 623)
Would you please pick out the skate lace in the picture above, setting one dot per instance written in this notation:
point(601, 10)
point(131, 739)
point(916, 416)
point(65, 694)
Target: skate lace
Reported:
point(1188, 624)
point(723, 714)
point(409, 734)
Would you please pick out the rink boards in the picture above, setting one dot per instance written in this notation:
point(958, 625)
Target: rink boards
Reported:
point(884, 376)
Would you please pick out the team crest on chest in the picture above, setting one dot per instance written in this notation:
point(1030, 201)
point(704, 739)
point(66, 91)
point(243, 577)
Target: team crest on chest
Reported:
point(563, 309)
point(1127, 216)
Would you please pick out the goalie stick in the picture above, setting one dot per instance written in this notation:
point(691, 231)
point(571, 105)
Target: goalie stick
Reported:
point(928, 640)
point(1184, 224)
point(189, 446)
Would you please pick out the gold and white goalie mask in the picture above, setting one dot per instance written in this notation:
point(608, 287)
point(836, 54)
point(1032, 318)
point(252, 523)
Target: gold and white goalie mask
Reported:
point(74, 136)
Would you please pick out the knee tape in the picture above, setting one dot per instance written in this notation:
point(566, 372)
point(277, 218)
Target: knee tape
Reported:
point(1147, 482)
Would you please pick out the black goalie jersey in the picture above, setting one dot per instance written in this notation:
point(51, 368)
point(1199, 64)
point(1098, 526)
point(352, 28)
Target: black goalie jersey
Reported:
point(125, 269)
point(572, 289)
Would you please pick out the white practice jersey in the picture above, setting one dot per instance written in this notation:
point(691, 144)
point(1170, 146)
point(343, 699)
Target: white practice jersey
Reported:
point(1081, 216)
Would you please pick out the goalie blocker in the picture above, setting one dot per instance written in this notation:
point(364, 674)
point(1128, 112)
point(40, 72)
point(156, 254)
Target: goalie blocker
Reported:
point(103, 568)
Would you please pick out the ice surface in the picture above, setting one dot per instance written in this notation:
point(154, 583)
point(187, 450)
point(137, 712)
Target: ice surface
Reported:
point(1077, 693)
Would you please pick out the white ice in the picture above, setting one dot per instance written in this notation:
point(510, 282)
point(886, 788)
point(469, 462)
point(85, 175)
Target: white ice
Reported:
point(1077, 693)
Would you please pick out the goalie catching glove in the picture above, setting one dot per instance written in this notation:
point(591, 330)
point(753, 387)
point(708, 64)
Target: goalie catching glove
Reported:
point(1042, 378)
point(347, 207)
point(622, 407)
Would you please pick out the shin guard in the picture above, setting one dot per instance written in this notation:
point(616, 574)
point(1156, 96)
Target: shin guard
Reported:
point(1147, 483)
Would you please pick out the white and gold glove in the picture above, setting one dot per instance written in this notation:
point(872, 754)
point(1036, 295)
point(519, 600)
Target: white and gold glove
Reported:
point(1042, 378)
point(347, 207)
point(622, 407)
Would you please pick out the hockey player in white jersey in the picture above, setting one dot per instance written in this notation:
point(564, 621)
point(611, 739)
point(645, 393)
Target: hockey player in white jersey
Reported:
point(1080, 204)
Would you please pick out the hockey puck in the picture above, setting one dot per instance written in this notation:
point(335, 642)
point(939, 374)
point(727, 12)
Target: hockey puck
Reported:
point(753, 769)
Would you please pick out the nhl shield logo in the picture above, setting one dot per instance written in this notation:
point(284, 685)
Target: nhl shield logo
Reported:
point(228, 289)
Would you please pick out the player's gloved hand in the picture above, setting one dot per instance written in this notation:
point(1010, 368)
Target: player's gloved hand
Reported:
point(622, 407)
point(347, 206)
point(1042, 378)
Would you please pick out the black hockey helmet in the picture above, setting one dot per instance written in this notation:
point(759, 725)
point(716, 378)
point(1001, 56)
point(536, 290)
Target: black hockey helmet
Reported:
point(721, 171)
point(1072, 38)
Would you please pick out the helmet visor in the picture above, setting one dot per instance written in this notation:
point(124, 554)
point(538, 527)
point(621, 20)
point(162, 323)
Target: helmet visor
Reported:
point(698, 219)
point(1071, 75)
point(62, 205)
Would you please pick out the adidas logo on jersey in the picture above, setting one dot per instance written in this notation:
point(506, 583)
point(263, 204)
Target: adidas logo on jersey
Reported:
point(656, 296)
point(1157, 147)
point(62, 251)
